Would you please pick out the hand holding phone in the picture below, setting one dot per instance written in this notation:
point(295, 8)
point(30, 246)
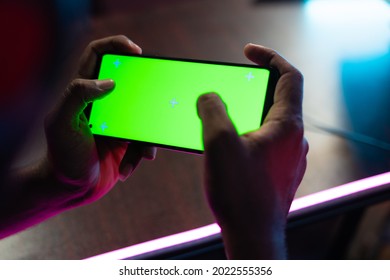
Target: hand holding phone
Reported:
point(85, 165)
point(154, 100)
point(251, 180)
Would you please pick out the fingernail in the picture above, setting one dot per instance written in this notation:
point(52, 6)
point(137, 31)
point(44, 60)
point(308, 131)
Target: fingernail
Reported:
point(139, 50)
point(257, 45)
point(149, 153)
point(125, 171)
point(105, 84)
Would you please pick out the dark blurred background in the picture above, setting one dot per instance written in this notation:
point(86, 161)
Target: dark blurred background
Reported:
point(343, 49)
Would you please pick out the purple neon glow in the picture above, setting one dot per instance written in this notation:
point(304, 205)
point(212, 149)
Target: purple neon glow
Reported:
point(202, 232)
point(340, 191)
point(160, 243)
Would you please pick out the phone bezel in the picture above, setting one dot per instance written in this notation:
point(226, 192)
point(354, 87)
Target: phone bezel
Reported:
point(269, 97)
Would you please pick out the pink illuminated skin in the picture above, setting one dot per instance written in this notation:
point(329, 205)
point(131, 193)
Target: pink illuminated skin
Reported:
point(301, 203)
point(77, 169)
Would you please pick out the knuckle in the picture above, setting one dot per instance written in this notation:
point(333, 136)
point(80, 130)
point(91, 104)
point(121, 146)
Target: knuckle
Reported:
point(293, 128)
point(298, 76)
point(121, 37)
point(273, 54)
point(291, 137)
point(96, 44)
point(224, 138)
point(295, 78)
point(226, 133)
point(77, 85)
point(92, 45)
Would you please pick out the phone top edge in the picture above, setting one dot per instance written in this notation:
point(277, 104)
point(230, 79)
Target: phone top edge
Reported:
point(183, 60)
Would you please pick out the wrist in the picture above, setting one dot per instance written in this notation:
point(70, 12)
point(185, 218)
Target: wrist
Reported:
point(76, 176)
point(43, 190)
point(43, 187)
point(255, 241)
point(30, 196)
point(67, 192)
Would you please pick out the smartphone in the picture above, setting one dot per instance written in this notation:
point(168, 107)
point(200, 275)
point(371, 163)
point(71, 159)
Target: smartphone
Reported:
point(154, 99)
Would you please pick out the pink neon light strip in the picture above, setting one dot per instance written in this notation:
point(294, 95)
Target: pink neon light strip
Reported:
point(206, 231)
point(160, 243)
point(340, 191)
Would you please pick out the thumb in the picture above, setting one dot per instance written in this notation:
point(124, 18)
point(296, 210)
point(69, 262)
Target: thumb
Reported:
point(217, 127)
point(79, 93)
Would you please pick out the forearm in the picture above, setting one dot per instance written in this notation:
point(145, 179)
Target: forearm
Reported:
point(30, 196)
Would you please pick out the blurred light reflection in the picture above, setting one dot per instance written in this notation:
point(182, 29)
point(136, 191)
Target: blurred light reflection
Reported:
point(354, 27)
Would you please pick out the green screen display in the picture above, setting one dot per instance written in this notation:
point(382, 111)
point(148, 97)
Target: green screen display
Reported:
point(154, 99)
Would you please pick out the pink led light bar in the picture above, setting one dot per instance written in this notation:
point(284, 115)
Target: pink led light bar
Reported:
point(209, 230)
point(160, 243)
point(340, 191)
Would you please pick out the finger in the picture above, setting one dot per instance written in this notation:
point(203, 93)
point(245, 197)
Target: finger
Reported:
point(90, 57)
point(131, 159)
point(150, 153)
point(217, 126)
point(267, 57)
point(79, 93)
point(134, 153)
point(289, 90)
